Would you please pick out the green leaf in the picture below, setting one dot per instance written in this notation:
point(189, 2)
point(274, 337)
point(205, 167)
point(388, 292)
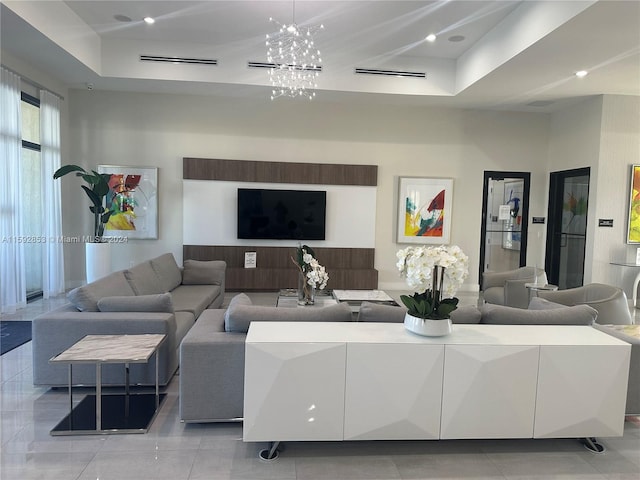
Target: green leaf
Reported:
point(445, 309)
point(95, 199)
point(105, 217)
point(451, 301)
point(101, 189)
point(90, 179)
point(62, 171)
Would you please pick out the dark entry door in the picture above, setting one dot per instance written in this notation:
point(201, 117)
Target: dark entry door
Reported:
point(567, 227)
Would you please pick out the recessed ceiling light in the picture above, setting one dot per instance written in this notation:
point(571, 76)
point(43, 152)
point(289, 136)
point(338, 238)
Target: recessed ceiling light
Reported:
point(122, 18)
point(581, 73)
point(456, 38)
point(149, 20)
point(431, 37)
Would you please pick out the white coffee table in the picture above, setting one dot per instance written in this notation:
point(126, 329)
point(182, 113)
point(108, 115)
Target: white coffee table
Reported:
point(355, 298)
point(113, 413)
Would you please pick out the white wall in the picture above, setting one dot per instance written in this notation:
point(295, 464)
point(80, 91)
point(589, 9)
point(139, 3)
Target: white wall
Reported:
point(619, 150)
point(602, 133)
point(575, 143)
point(159, 130)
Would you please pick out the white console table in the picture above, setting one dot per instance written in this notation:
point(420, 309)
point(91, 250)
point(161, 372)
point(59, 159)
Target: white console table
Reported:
point(351, 381)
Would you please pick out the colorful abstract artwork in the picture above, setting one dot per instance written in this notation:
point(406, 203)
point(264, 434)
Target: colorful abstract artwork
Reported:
point(512, 226)
point(133, 201)
point(424, 210)
point(633, 230)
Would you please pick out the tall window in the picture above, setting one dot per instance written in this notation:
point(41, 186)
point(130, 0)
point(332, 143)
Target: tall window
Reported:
point(32, 193)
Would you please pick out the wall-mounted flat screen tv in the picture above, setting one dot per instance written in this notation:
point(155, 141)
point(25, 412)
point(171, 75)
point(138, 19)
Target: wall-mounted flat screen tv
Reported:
point(281, 214)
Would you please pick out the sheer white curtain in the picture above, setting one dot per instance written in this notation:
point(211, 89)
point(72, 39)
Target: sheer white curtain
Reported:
point(52, 256)
point(13, 290)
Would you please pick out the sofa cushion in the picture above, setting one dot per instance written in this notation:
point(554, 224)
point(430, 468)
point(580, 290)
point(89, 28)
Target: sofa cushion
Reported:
point(538, 303)
point(160, 302)
point(184, 322)
point(466, 314)
point(198, 272)
point(240, 299)
point(501, 315)
point(373, 312)
point(167, 270)
point(143, 279)
point(194, 298)
point(239, 317)
point(86, 298)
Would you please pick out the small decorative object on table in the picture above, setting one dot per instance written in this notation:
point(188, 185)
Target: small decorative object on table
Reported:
point(432, 271)
point(312, 275)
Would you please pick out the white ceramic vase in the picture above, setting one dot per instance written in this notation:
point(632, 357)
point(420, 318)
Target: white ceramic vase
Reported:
point(98, 260)
point(427, 327)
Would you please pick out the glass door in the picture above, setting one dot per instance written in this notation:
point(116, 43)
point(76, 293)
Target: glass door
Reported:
point(504, 221)
point(567, 227)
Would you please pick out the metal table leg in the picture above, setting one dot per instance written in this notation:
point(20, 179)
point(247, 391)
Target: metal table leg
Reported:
point(98, 396)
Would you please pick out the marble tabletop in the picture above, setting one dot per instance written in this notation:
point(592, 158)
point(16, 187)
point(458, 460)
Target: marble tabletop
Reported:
point(111, 349)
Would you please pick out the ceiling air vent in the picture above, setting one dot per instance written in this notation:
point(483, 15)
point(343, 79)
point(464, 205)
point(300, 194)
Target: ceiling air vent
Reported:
point(178, 60)
point(541, 103)
point(314, 68)
point(390, 73)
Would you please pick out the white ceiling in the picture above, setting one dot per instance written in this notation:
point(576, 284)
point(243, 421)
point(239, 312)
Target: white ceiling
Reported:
point(513, 53)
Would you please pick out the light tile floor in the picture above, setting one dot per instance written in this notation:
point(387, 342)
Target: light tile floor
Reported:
point(173, 450)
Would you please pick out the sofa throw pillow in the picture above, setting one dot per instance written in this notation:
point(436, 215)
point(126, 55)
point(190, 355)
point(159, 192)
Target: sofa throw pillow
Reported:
point(501, 315)
point(466, 314)
point(140, 303)
point(239, 317)
point(143, 279)
point(197, 272)
point(375, 312)
point(167, 270)
point(86, 298)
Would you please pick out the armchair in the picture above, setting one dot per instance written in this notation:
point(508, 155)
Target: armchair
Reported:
point(610, 302)
point(507, 288)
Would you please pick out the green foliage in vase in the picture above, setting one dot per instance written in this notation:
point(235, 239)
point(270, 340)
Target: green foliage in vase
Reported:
point(96, 189)
point(427, 305)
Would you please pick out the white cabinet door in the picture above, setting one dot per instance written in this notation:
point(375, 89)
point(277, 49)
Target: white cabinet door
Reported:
point(489, 391)
point(582, 391)
point(294, 391)
point(393, 391)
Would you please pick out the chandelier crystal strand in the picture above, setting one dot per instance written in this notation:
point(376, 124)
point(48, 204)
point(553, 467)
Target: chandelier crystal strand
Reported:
point(298, 62)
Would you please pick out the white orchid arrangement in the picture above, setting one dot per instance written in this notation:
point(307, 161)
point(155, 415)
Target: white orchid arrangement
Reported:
point(433, 272)
point(315, 274)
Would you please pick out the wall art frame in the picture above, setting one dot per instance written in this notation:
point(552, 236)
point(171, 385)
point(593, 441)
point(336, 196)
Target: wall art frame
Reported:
point(133, 201)
point(633, 221)
point(424, 210)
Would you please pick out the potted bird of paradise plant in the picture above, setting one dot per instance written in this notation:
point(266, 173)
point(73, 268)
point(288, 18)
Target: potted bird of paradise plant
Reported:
point(98, 252)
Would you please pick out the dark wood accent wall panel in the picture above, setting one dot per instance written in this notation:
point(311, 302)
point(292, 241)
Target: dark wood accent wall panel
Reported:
point(348, 268)
point(279, 172)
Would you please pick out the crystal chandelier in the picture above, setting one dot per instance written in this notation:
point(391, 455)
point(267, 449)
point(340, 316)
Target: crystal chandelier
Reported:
point(297, 62)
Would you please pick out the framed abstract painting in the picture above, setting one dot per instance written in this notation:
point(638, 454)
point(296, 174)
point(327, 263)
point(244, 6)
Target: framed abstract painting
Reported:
point(132, 201)
point(633, 225)
point(424, 210)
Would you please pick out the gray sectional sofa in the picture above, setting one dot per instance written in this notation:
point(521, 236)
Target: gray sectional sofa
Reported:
point(212, 352)
point(155, 296)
